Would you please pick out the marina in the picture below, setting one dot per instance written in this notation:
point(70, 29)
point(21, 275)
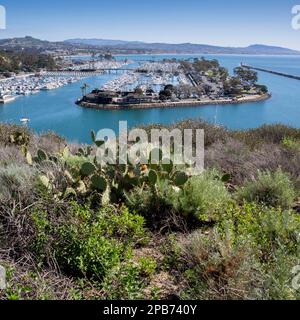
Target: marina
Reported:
point(33, 84)
point(172, 83)
point(74, 71)
point(55, 109)
point(150, 76)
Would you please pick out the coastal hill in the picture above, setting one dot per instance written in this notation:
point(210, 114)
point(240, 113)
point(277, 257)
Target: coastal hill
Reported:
point(121, 46)
point(30, 43)
point(183, 47)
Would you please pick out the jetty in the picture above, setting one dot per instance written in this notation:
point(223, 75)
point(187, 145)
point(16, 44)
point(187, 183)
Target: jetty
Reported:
point(272, 72)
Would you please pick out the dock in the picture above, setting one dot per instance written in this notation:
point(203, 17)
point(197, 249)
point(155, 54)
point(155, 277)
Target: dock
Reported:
point(272, 72)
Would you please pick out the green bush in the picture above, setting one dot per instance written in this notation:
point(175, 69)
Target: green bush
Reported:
point(273, 235)
point(279, 277)
point(92, 244)
point(268, 229)
point(203, 196)
point(249, 254)
point(292, 144)
point(273, 189)
point(155, 204)
point(129, 281)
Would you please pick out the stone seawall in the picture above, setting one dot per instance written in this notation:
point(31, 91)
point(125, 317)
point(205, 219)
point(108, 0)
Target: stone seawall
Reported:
point(183, 103)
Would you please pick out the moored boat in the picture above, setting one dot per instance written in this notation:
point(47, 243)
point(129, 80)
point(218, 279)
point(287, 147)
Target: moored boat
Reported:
point(6, 98)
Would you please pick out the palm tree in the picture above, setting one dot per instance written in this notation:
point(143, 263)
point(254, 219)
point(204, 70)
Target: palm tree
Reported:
point(84, 88)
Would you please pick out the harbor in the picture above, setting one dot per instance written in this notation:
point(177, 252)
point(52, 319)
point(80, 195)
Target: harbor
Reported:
point(55, 109)
point(33, 84)
point(170, 83)
point(73, 71)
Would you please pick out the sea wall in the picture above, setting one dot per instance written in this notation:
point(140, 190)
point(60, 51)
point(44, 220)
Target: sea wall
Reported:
point(182, 103)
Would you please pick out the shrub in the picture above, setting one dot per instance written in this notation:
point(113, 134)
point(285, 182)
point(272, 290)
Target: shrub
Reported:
point(213, 133)
point(74, 163)
point(273, 237)
point(291, 143)
point(203, 196)
point(266, 134)
point(268, 229)
point(230, 156)
point(215, 268)
point(49, 141)
point(129, 281)
point(91, 245)
point(24, 282)
point(249, 254)
point(7, 131)
point(273, 189)
point(279, 277)
point(16, 181)
point(155, 204)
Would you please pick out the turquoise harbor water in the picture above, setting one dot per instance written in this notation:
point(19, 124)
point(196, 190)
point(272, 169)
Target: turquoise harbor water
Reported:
point(55, 110)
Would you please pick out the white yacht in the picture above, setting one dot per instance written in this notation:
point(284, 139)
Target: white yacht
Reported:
point(6, 98)
point(24, 120)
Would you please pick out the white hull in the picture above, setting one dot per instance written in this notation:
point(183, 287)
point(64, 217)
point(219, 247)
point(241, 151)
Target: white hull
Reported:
point(6, 99)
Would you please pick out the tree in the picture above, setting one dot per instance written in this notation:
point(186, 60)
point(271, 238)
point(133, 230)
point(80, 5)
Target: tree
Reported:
point(169, 87)
point(224, 74)
point(165, 95)
point(138, 91)
point(233, 86)
point(247, 76)
point(84, 88)
point(184, 91)
point(262, 88)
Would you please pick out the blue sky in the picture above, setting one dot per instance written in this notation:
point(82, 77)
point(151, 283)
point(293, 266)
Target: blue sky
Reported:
point(217, 22)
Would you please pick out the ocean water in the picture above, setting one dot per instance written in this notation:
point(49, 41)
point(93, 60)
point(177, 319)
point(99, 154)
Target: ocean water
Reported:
point(55, 110)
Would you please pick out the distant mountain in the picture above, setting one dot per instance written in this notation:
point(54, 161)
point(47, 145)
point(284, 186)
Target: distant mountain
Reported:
point(270, 49)
point(103, 42)
point(26, 41)
point(182, 48)
point(121, 46)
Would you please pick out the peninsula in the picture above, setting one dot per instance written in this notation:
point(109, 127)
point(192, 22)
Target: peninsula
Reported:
point(172, 83)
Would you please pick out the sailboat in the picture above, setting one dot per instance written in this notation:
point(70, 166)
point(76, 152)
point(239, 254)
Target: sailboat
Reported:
point(24, 120)
point(216, 118)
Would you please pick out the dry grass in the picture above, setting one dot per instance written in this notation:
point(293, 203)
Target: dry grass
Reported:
point(217, 269)
point(24, 282)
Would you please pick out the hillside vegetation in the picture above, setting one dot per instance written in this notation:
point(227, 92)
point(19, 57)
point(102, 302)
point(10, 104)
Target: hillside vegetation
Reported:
point(71, 229)
point(24, 61)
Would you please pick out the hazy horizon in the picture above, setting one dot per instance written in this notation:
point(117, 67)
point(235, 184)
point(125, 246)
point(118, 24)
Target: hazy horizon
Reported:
point(142, 41)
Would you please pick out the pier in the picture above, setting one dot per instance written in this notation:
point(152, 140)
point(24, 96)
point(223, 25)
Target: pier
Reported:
point(272, 72)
